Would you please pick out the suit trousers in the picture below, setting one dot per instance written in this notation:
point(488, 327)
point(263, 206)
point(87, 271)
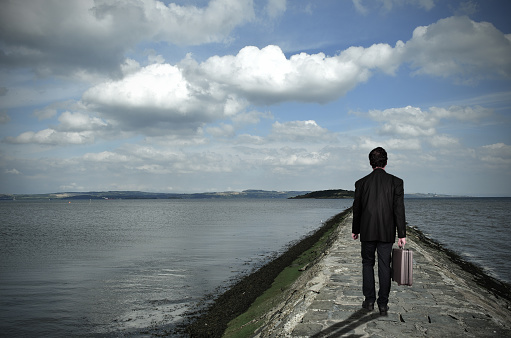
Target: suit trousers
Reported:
point(384, 250)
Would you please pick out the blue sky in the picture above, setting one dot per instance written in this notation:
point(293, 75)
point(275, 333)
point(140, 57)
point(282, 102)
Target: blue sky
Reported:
point(221, 95)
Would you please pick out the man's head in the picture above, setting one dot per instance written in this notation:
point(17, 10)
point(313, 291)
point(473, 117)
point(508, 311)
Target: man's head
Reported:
point(378, 158)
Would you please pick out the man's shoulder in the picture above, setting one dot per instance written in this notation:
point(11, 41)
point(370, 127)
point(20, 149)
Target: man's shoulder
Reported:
point(379, 173)
point(396, 181)
point(363, 179)
point(389, 176)
point(395, 178)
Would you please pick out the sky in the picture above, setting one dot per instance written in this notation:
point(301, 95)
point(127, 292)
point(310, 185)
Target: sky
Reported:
point(228, 95)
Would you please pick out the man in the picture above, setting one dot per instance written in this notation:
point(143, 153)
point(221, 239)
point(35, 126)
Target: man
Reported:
point(378, 210)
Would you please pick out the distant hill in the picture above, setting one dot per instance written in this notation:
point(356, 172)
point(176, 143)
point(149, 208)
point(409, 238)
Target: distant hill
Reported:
point(107, 195)
point(322, 194)
point(339, 193)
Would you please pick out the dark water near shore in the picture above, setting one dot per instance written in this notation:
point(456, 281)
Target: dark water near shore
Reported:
point(478, 229)
point(110, 268)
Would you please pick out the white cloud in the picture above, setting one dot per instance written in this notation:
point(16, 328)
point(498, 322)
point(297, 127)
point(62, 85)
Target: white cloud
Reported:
point(359, 7)
point(459, 47)
point(267, 76)
point(79, 122)
point(106, 156)
point(301, 131)
point(74, 128)
point(13, 171)
point(251, 117)
point(53, 137)
point(45, 113)
point(292, 158)
point(55, 37)
point(443, 141)
point(387, 5)
point(460, 113)
point(180, 99)
point(275, 8)
point(158, 99)
point(496, 155)
point(406, 115)
point(414, 122)
point(467, 8)
point(223, 130)
point(368, 144)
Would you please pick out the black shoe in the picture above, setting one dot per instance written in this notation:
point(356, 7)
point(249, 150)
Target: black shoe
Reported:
point(383, 309)
point(368, 306)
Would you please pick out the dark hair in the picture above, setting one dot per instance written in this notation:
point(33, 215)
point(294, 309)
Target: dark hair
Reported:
point(378, 157)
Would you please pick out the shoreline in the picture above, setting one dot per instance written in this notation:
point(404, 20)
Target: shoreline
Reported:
point(212, 321)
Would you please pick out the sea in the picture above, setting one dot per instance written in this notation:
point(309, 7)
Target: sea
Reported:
point(110, 268)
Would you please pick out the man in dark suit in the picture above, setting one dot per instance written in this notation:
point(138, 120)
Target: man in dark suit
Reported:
point(378, 210)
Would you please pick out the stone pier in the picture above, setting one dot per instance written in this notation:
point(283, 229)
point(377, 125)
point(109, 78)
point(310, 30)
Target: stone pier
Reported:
point(442, 302)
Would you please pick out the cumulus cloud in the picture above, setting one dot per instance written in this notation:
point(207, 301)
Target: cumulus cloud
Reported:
point(266, 76)
point(159, 99)
point(79, 122)
point(74, 128)
point(407, 121)
point(413, 123)
point(459, 47)
point(55, 37)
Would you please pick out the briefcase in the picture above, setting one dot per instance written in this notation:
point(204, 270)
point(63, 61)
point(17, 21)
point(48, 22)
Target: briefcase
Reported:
point(402, 268)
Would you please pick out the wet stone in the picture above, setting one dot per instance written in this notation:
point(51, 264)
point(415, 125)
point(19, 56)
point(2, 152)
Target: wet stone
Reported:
point(322, 305)
point(306, 330)
point(413, 317)
point(315, 316)
point(326, 295)
point(442, 319)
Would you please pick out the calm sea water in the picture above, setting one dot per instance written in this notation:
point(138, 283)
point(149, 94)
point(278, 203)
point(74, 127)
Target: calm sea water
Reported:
point(479, 229)
point(118, 267)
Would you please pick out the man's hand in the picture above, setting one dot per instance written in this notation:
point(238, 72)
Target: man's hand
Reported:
point(354, 236)
point(401, 243)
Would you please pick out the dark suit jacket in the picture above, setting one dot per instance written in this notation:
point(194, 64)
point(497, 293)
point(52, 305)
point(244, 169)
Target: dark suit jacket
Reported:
point(378, 208)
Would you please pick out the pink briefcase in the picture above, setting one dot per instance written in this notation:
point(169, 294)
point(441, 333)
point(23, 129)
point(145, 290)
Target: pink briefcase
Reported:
point(402, 268)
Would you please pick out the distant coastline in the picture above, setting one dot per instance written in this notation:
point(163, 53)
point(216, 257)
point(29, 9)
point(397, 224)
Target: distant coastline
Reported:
point(247, 194)
point(111, 195)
